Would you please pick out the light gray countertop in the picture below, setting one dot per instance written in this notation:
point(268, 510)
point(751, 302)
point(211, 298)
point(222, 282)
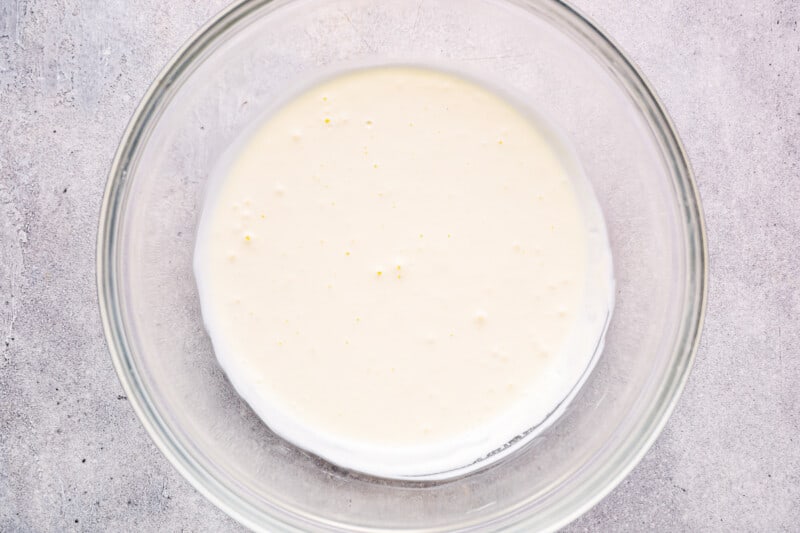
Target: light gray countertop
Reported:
point(73, 456)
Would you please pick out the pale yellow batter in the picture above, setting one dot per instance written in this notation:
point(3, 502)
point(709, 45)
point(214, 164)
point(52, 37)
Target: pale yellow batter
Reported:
point(401, 272)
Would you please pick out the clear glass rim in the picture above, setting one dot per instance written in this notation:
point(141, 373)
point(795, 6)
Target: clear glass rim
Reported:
point(605, 479)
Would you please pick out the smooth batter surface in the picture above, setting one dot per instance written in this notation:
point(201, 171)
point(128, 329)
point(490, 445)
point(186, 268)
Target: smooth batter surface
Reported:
point(401, 272)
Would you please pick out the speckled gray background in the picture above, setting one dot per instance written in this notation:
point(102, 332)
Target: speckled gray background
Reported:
point(74, 457)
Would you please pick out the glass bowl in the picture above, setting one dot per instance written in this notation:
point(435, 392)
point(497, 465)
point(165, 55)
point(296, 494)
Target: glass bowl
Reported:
point(250, 56)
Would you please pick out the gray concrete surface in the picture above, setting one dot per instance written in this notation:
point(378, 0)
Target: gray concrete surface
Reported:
point(74, 457)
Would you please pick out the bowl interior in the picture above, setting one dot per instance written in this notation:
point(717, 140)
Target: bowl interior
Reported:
point(560, 66)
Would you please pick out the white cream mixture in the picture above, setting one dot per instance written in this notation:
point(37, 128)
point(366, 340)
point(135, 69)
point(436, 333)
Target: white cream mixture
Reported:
point(401, 272)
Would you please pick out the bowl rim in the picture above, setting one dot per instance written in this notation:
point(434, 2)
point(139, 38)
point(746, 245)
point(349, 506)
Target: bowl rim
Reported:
point(221, 495)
